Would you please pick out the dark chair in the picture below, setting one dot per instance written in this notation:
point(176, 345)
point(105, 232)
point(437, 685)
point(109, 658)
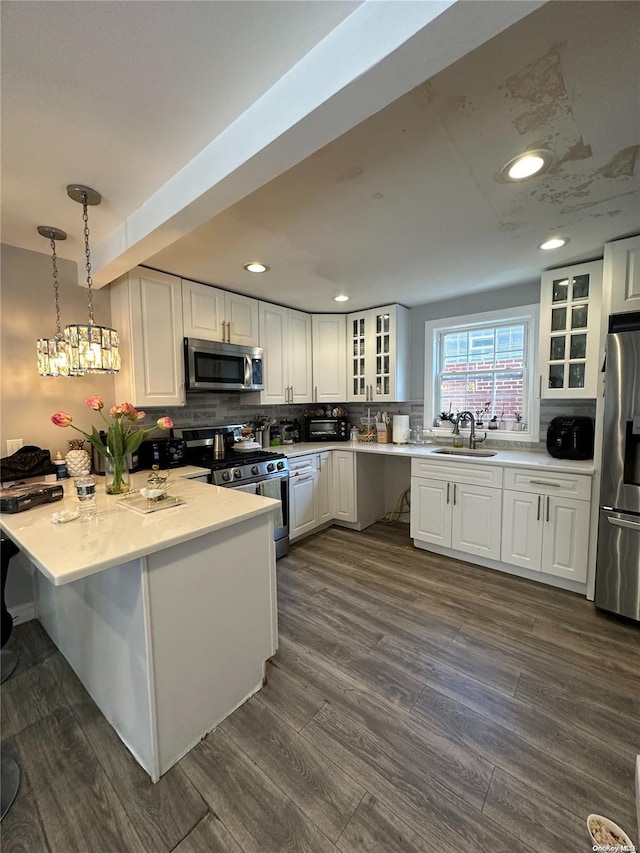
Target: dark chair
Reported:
point(9, 770)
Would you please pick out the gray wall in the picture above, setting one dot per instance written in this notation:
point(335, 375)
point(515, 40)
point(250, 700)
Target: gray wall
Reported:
point(493, 300)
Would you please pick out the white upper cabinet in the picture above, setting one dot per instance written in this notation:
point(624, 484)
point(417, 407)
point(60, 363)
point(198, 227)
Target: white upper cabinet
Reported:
point(329, 358)
point(146, 309)
point(285, 336)
point(212, 314)
point(568, 359)
point(378, 355)
point(622, 275)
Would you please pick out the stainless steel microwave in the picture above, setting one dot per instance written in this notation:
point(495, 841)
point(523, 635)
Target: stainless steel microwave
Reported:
point(214, 366)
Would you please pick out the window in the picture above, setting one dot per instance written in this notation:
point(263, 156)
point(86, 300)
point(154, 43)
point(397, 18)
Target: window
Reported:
point(482, 364)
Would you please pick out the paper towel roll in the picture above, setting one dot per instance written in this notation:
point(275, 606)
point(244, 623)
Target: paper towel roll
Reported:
point(400, 429)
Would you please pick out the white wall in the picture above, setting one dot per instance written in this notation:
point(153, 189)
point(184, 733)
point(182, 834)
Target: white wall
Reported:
point(492, 300)
point(28, 400)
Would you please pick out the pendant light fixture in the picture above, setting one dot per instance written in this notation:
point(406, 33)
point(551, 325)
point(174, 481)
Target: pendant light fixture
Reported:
point(93, 349)
point(53, 353)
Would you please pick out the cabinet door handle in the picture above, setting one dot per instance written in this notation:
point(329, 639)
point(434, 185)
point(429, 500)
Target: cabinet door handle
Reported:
point(539, 500)
point(315, 394)
point(304, 479)
point(548, 502)
point(546, 483)
point(448, 487)
point(455, 493)
point(540, 388)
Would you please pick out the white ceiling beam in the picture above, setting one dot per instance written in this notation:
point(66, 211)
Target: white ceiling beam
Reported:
point(380, 52)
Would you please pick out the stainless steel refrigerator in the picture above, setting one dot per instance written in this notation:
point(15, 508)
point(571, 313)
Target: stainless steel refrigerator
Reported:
point(618, 560)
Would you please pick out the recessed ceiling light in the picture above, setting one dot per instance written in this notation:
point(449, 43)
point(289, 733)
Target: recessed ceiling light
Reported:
point(526, 165)
point(553, 243)
point(341, 298)
point(256, 266)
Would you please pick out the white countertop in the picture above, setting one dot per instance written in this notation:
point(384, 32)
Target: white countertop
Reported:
point(76, 549)
point(507, 458)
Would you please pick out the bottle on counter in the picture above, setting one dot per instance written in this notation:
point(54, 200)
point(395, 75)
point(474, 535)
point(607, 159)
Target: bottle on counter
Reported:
point(86, 491)
point(274, 440)
point(61, 467)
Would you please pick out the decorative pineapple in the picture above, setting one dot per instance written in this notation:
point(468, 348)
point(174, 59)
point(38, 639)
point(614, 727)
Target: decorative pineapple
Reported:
point(78, 460)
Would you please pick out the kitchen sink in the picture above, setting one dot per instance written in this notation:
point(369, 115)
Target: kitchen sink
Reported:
point(464, 451)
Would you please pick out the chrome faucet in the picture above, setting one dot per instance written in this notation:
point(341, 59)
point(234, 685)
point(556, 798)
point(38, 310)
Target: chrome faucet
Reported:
point(468, 416)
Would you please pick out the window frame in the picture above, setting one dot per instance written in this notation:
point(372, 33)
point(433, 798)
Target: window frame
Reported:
point(433, 329)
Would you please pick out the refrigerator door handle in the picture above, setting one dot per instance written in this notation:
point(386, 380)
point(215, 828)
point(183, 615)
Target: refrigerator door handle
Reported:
point(621, 522)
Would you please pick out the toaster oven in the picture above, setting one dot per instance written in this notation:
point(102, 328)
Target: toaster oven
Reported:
point(326, 429)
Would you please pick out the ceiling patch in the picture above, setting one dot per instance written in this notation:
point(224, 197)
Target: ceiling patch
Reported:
point(578, 151)
point(622, 164)
point(541, 88)
point(350, 174)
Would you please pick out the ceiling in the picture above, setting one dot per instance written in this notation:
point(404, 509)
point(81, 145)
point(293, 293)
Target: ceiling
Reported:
point(405, 206)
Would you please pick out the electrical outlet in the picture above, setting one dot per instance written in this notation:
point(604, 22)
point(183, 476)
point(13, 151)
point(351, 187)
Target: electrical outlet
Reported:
point(13, 445)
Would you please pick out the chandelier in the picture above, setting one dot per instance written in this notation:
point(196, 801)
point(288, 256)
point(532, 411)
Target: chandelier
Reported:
point(53, 353)
point(92, 348)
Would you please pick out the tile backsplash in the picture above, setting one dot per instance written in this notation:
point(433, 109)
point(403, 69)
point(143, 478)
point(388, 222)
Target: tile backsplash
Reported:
point(210, 409)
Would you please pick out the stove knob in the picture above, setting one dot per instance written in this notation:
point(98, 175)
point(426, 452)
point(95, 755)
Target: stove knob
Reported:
point(271, 467)
point(226, 476)
point(237, 473)
point(254, 469)
point(280, 465)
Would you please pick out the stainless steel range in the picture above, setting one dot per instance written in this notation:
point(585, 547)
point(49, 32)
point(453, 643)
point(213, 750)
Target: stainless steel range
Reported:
point(258, 472)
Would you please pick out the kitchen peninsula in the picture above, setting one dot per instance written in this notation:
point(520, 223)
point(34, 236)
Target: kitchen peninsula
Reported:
point(167, 617)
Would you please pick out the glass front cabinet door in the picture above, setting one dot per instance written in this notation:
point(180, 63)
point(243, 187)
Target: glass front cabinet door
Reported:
point(378, 352)
point(570, 301)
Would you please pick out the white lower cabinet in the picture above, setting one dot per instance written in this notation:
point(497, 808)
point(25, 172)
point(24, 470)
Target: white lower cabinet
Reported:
point(309, 493)
point(344, 485)
point(323, 489)
point(545, 522)
point(547, 534)
point(456, 515)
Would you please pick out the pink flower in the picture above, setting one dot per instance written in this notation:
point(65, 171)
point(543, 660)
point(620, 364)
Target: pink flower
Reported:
point(129, 411)
point(115, 412)
point(141, 416)
point(62, 419)
point(164, 423)
point(95, 403)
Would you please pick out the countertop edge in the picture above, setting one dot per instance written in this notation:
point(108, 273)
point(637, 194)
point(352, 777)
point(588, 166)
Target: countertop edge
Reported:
point(408, 451)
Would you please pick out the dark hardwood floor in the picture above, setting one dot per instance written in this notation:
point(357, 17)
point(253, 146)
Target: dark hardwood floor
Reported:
point(416, 703)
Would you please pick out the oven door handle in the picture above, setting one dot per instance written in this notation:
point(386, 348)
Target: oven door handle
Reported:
point(247, 371)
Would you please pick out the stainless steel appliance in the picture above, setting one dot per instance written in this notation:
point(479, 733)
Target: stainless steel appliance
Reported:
point(326, 429)
point(618, 559)
point(258, 472)
point(213, 366)
point(163, 452)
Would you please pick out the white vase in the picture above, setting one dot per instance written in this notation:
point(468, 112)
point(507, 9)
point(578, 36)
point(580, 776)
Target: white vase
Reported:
point(78, 463)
